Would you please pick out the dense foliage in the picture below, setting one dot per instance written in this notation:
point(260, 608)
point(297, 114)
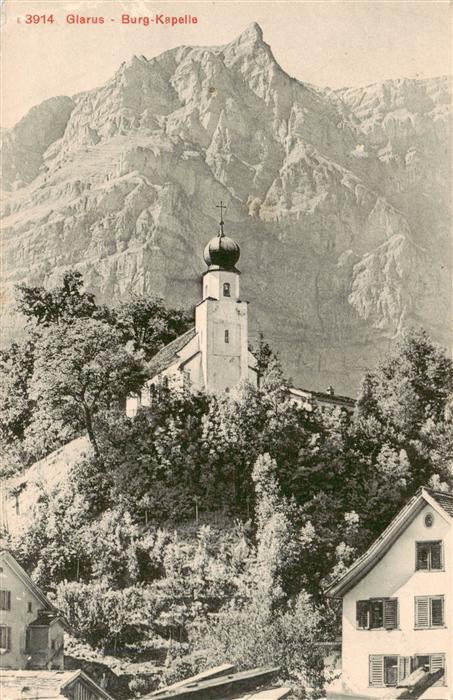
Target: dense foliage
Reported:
point(214, 522)
point(76, 359)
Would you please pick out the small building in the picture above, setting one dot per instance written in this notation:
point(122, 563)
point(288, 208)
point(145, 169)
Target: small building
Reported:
point(34, 685)
point(31, 629)
point(397, 607)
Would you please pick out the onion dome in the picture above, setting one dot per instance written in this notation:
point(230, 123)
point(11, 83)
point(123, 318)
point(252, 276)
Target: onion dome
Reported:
point(222, 251)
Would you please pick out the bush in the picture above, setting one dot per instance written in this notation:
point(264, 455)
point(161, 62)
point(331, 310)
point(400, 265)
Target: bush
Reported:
point(105, 618)
point(252, 636)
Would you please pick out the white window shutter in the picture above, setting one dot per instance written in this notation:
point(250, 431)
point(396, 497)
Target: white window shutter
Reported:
point(376, 670)
point(422, 612)
point(391, 613)
point(404, 668)
point(437, 662)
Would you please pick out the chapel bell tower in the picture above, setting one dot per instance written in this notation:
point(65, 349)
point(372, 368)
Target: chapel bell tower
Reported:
point(221, 316)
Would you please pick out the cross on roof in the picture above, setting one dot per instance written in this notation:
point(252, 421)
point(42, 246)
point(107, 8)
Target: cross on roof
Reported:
point(221, 206)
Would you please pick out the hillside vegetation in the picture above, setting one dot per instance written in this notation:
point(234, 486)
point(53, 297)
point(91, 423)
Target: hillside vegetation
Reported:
point(207, 528)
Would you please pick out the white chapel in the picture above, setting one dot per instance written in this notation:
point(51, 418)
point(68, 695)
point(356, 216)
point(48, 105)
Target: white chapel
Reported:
point(213, 356)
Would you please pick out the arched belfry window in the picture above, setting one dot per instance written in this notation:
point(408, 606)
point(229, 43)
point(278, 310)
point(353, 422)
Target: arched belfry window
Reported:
point(226, 289)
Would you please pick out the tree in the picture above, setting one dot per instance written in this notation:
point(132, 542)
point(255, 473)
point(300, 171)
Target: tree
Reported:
point(249, 637)
point(57, 305)
point(51, 546)
point(147, 322)
point(103, 617)
point(403, 407)
point(16, 370)
point(407, 388)
point(263, 355)
point(278, 545)
point(80, 368)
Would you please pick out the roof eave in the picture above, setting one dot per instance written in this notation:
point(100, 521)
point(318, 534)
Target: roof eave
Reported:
point(26, 580)
point(81, 675)
point(380, 547)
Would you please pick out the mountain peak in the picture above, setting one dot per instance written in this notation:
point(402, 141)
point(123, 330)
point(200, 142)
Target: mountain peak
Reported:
point(252, 33)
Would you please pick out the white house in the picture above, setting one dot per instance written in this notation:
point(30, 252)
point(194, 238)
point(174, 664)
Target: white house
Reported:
point(31, 629)
point(397, 607)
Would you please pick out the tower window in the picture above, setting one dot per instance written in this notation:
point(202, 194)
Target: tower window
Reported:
point(227, 336)
point(226, 289)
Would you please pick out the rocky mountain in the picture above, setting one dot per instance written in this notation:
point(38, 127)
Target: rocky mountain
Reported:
point(340, 199)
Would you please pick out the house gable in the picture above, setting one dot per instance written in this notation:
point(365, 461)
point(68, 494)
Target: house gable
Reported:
point(388, 617)
point(381, 546)
point(8, 561)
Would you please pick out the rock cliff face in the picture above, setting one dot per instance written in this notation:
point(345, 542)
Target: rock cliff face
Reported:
point(340, 200)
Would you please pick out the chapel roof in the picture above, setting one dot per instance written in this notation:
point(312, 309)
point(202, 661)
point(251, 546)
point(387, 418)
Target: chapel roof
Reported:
point(170, 353)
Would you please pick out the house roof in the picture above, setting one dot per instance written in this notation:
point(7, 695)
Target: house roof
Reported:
point(445, 500)
point(440, 502)
point(48, 617)
point(43, 684)
point(8, 558)
point(231, 685)
point(169, 354)
point(333, 398)
point(323, 396)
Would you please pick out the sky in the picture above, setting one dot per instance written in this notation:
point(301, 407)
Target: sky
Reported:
point(324, 42)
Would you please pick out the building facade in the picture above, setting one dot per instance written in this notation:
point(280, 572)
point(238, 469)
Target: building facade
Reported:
point(397, 607)
point(31, 630)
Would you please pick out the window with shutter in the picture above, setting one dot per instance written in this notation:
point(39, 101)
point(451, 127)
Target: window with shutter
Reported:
point(391, 613)
point(429, 556)
point(422, 612)
point(429, 611)
point(376, 670)
point(5, 600)
point(433, 664)
point(377, 613)
point(362, 608)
